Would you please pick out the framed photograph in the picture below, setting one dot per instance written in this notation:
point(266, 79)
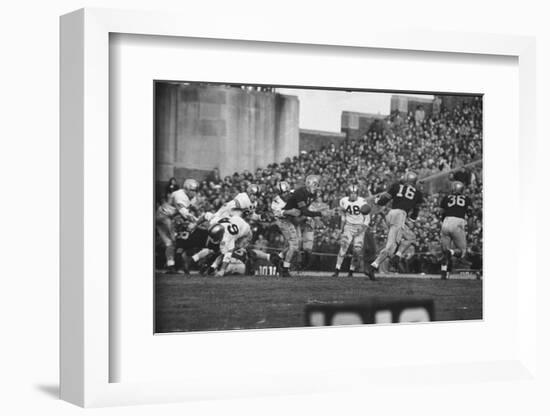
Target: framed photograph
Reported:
point(273, 206)
point(223, 194)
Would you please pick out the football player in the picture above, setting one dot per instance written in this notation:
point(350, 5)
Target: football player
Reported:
point(455, 207)
point(207, 240)
point(408, 238)
point(306, 233)
point(235, 239)
point(243, 202)
point(177, 203)
point(354, 225)
point(406, 200)
point(279, 202)
point(295, 211)
point(278, 210)
point(242, 261)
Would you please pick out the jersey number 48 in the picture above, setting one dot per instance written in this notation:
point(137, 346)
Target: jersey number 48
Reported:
point(353, 209)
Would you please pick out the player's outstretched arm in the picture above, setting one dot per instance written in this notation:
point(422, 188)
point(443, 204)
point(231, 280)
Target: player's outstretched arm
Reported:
point(382, 199)
point(293, 212)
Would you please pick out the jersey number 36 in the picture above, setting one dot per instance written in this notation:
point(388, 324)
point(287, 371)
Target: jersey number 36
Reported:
point(456, 200)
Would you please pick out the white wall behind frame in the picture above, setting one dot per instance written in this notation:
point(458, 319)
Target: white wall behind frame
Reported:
point(30, 47)
point(140, 59)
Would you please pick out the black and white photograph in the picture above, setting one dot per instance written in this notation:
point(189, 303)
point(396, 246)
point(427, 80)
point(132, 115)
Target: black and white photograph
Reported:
point(296, 206)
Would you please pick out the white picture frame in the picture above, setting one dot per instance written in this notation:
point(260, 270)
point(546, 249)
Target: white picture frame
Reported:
point(85, 264)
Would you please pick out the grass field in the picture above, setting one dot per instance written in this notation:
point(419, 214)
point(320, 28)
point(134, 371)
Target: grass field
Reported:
point(242, 302)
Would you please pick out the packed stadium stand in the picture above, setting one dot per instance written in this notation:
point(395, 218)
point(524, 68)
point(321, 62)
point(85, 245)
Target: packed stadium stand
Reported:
point(439, 147)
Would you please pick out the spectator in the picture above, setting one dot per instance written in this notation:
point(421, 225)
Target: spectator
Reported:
point(428, 144)
point(171, 186)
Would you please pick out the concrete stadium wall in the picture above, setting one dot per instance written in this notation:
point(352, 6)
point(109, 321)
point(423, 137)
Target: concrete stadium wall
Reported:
point(315, 140)
point(354, 124)
point(200, 127)
point(407, 104)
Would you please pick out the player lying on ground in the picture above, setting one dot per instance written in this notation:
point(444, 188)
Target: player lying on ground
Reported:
point(230, 234)
point(201, 241)
point(242, 261)
point(454, 207)
point(177, 203)
point(406, 199)
point(296, 210)
point(354, 224)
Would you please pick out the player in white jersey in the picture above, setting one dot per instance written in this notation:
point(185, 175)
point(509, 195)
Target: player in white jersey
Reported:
point(354, 225)
point(235, 240)
point(243, 202)
point(177, 203)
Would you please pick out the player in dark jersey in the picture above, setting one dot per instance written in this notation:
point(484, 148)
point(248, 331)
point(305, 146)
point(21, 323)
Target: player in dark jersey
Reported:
point(205, 243)
point(454, 207)
point(406, 199)
point(295, 211)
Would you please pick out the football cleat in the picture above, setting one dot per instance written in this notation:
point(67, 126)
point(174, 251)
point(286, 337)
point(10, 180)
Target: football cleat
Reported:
point(285, 272)
point(276, 260)
point(369, 271)
point(170, 270)
point(203, 269)
point(394, 262)
point(350, 273)
point(449, 259)
point(444, 274)
point(187, 262)
point(336, 273)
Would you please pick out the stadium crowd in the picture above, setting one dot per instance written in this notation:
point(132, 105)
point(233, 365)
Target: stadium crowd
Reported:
point(433, 146)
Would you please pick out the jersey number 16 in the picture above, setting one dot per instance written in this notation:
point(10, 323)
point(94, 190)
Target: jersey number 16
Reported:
point(409, 191)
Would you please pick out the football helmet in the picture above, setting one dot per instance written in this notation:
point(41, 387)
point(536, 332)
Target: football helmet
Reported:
point(410, 178)
point(216, 232)
point(191, 185)
point(457, 187)
point(353, 191)
point(312, 183)
point(283, 187)
point(253, 189)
